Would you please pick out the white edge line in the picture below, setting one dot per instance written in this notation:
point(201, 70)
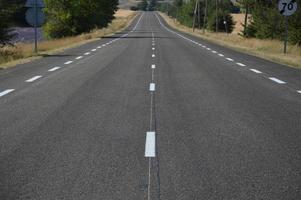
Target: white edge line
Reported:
point(241, 64)
point(79, 57)
point(5, 92)
point(256, 71)
point(230, 59)
point(150, 145)
point(68, 62)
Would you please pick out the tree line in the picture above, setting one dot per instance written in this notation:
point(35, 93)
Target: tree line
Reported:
point(63, 17)
point(266, 21)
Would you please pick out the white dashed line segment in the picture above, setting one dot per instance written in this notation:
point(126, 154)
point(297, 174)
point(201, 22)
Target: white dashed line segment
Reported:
point(221, 55)
point(150, 145)
point(256, 71)
point(53, 69)
point(230, 59)
point(241, 64)
point(152, 87)
point(277, 80)
point(153, 55)
point(68, 62)
point(299, 91)
point(93, 49)
point(33, 79)
point(5, 92)
point(88, 53)
point(153, 66)
point(79, 57)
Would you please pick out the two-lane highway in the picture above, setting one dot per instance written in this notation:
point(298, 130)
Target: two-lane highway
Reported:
point(150, 113)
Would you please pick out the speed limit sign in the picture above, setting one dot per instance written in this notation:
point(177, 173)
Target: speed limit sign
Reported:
point(287, 7)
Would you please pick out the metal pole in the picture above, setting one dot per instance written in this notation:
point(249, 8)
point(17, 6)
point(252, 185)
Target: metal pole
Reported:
point(36, 27)
point(286, 35)
point(205, 17)
point(194, 16)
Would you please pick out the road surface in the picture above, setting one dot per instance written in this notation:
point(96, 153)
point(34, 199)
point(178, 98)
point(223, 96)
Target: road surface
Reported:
point(150, 113)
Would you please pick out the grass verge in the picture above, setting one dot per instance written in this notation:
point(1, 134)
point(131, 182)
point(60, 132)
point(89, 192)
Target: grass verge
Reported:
point(267, 49)
point(23, 53)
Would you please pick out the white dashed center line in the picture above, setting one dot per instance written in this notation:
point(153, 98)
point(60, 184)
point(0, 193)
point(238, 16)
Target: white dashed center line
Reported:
point(153, 55)
point(153, 66)
point(150, 145)
point(153, 49)
point(88, 53)
point(79, 57)
point(54, 69)
point(5, 92)
point(221, 55)
point(256, 71)
point(208, 49)
point(152, 87)
point(99, 47)
point(277, 80)
point(241, 64)
point(230, 59)
point(214, 51)
point(68, 62)
point(33, 79)
point(299, 91)
point(93, 50)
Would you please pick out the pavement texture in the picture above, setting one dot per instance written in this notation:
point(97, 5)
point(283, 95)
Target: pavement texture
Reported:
point(227, 124)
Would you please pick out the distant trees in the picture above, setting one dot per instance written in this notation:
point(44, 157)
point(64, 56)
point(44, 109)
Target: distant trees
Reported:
point(6, 11)
point(143, 5)
point(72, 17)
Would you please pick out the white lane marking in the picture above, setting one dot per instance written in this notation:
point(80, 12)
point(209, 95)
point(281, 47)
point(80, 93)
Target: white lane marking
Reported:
point(93, 50)
point(221, 55)
point(99, 47)
point(153, 66)
point(88, 53)
point(79, 57)
point(107, 43)
point(208, 49)
point(54, 69)
point(204, 46)
point(214, 51)
point(5, 92)
point(299, 91)
point(153, 49)
point(150, 145)
point(241, 64)
point(33, 79)
point(277, 80)
point(153, 44)
point(153, 55)
point(230, 59)
point(68, 62)
point(104, 45)
point(256, 71)
point(152, 87)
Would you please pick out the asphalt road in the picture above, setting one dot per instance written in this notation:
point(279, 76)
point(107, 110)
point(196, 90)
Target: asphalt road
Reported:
point(150, 113)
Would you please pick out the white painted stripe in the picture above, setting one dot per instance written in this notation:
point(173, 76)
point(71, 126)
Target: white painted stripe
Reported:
point(204, 46)
point(5, 92)
point(33, 79)
point(277, 80)
point(241, 64)
point(99, 47)
point(79, 57)
point(299, 91)
point(214, 51)
point(208, 49)
point(54, 69)
point(93, 49)
point(221, 55)
point(230, 59)
point(153, 66)
point(153, 55)
point(88, 53)
point(152, 87)
point(153, 44)
point(153, 49)
point(150, 145)
point(68, 62)
point(256, 71)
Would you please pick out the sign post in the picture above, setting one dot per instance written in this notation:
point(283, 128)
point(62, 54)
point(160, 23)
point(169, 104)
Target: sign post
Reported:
point(287, 8)
point(35, 17)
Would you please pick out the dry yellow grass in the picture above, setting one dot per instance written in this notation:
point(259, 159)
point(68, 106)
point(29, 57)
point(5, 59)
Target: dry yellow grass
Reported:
point(22, 53)
point(267, 49)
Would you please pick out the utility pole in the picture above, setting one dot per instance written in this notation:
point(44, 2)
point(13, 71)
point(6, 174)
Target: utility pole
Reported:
point(199, 14)
point(194, 15)
point(205, 17)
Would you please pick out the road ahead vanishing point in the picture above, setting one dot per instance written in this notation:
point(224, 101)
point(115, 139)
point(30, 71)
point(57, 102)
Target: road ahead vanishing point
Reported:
point(150, 113)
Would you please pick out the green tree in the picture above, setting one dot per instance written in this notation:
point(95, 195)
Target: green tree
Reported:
point(143, 5)
point(6, 11)
point(72, 17)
